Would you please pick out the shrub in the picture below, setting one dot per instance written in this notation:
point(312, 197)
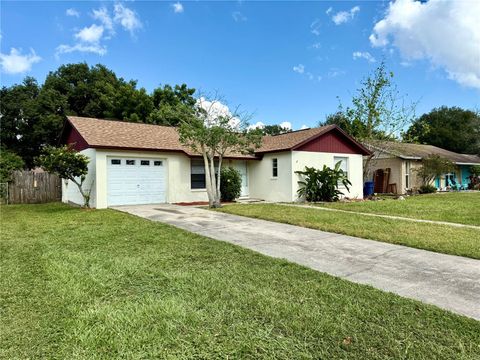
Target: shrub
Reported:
point(427, 189)
point(433, 166)
point(9, 162)
point(230, 184)
point(322, 185)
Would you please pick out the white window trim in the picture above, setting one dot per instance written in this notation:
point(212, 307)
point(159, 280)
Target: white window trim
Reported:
point(348, 167)
point(274, 177)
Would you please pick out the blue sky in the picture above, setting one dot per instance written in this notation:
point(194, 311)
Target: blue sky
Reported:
point(282, 61)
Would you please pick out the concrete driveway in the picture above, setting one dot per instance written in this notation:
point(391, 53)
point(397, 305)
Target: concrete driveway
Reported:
point(449, 282)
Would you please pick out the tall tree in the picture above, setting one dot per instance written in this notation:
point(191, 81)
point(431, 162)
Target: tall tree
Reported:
point(274, 130)
point(377, 112)
point(451, 128)
point(172, 105)
point(213, 132)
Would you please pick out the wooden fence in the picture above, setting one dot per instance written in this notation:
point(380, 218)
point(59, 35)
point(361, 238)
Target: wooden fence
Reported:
point(28, 187)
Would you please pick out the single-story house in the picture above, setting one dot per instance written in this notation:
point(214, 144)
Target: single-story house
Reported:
point(404, 158)
point(135, 163)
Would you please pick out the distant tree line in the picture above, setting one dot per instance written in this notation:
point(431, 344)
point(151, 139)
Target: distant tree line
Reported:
point(32, 115)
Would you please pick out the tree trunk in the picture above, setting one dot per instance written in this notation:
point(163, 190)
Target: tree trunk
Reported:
point(208, 179)
point(366, 167)
point(86, 197)
point(218, 194)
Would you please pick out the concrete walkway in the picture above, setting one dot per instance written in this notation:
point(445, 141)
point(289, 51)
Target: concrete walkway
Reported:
point(450, 282)
point(393, 217)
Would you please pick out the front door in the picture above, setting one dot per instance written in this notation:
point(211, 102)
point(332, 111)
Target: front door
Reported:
point(242, 168)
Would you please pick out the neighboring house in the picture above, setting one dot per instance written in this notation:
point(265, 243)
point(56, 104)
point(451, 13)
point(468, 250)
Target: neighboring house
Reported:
point(134, 163)
point(403, 159)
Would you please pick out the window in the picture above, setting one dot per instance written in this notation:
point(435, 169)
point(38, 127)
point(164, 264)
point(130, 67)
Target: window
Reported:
point(275, 167)
point(197, 174)
point(130, 162)
point(145, 162)
point(407, 174)
point(116, 162)
point(343, 163)
point(157, 163)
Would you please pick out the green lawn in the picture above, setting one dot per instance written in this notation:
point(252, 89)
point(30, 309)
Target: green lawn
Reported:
point(79, 284)
point(462, 208)
point(439, 238)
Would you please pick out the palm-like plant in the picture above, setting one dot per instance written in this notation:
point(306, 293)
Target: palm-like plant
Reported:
point(322, 185)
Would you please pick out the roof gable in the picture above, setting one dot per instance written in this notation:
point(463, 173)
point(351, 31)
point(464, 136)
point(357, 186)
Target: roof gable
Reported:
point(322, 139)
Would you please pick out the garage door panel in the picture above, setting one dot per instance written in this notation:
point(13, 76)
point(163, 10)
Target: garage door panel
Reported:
point(136, 184)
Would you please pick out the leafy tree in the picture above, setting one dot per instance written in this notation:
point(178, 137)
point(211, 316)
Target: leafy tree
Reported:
point(67, 164)
point(89, 91)
point(172, 105)
point(274, 130)
point(352, 127)
point(322, 185)
point(31, 117)
point(433, 166)
point(213, 132)
point(231, 184)
point(378, 112)
point(450, 128)
point(132, 104)
point(9, 162)
point(17, 105)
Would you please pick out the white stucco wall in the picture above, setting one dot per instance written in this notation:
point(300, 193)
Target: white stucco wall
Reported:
point(300, 159)
point(177, 173)
point(264, 186)
point(70, 192)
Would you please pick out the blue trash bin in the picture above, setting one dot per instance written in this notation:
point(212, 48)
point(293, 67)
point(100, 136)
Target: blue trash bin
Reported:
point(368, 188)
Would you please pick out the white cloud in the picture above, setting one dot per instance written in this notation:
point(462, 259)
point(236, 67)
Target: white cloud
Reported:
point(315, 27)
point(127, 18)
point(214, 109)
point(444, 32)
point(329, 10)
point(16, 63)
point(72, 12)
point(238, 16)
point(363, 55)
point(345, 16)
point(300, 68)
point(316, 45)
point(177, 8)
point(104, 17)
point(257, 125)
point(304, 127)
point(91, 34)
point(88, 48)
point(286, 125)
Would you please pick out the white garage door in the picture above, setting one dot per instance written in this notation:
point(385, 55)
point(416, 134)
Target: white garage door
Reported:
point(135, 181)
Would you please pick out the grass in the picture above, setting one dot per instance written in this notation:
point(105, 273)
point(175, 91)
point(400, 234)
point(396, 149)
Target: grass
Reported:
point(101, 284)
point(462, 208)
point(439, 238)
